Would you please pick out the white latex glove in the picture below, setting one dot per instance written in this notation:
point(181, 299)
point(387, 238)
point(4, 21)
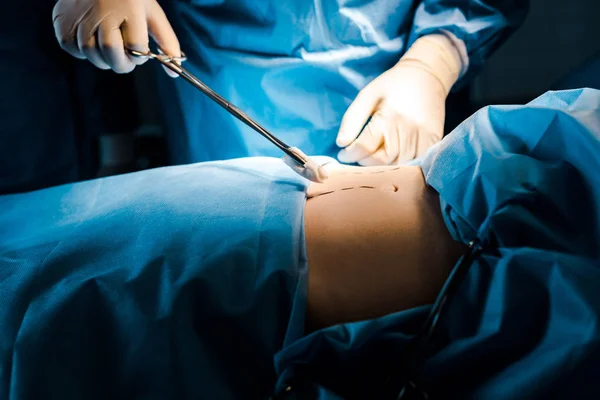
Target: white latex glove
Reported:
point(406, 105)
point(101, 30)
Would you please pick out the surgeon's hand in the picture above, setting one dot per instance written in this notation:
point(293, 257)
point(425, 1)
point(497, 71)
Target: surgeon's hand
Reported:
point(406, 105)
point(101, 30)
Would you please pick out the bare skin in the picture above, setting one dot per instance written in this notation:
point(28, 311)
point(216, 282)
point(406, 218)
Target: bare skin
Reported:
point(376, 244)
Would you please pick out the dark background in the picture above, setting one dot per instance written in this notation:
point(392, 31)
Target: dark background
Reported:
point(556, 37)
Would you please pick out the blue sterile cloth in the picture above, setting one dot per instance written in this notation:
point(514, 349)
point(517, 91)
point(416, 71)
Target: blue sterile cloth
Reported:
point(295, 66)
point(190, 282)
point(525, 181)
point(172, 283)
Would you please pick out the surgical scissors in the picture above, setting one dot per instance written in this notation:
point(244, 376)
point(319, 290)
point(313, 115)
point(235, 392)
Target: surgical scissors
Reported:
point(295, 159)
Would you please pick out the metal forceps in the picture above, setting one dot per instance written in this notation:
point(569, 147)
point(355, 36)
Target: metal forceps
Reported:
point(294, 157)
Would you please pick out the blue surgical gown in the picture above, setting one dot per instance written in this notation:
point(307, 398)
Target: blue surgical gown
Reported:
point(295, 66)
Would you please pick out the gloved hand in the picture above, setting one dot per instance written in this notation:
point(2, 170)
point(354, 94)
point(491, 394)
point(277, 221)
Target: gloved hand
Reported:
point(406, 105)
point(100, 30)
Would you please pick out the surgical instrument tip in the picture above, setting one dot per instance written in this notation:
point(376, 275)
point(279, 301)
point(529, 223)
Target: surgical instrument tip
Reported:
point(315, 172)
point(309, 169)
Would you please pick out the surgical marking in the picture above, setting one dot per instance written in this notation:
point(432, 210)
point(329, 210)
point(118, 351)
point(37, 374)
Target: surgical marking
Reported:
point(342, 189)
point(320, 194)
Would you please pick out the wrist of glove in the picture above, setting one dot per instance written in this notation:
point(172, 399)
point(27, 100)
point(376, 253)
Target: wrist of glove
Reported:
point(102, 30)
point(404, 107)
point(437, 55)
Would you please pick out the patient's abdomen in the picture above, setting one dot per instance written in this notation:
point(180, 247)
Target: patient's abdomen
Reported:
point(376, 244)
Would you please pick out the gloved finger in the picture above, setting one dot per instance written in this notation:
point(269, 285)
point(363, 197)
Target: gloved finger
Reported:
point(65, 30)
point(169, 72)
point(172, 74)
point(110, 40)
point(163, 34)
point(380, 157)
point(88, 45)
point(425, 142)
point(367, 143)
point(408, 140)
point(356, 116)
point(391, 139)
point(388, 151)
point(135, 37)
